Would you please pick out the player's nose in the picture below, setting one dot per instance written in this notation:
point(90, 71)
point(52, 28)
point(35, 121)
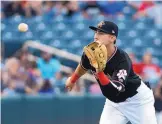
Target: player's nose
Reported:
point(95, 39)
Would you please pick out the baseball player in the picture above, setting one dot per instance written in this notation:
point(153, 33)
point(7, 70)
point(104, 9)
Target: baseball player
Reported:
point(128, 98)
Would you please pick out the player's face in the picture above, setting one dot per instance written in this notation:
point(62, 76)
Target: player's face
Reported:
point(103, 38)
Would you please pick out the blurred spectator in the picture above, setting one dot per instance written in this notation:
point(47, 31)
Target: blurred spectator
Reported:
point(137, 66)
point(95, 89)
point(154, 12)
point(142, 5)
point(111, 8)
point(51, 9)
point(22, 8)
point(59, 83)
point(28, 9)
point(36, 6)
point(1, 64)
point(34, 71)
point(90, 9)
point(14, 73)
point(158, 101)
point(65, 8)
point(150, 9)
point(10, 89)
point(150, 71)
point(13, 8)
point(48, 66)
point(29, 68)
point(70, 8)
point(22, 55)
point(2, 69)
point(35, 80)
point(46, 87)
point(12, 66)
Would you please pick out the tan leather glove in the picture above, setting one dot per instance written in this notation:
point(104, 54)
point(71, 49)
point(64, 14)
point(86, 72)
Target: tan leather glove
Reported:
point(97, 55)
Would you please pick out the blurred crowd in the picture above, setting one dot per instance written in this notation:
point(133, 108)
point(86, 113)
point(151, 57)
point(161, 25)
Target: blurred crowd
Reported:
point(23, 74)
point(51, 9)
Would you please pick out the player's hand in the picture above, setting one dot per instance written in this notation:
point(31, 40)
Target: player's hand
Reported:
point(69, 85)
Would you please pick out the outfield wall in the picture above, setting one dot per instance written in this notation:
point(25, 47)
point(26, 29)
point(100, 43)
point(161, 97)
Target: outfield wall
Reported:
point(51, 109)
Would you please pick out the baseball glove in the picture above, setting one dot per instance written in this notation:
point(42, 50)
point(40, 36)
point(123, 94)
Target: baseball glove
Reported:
point(97, 55)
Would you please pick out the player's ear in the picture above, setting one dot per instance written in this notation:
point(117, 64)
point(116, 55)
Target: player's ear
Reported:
point(113, 38)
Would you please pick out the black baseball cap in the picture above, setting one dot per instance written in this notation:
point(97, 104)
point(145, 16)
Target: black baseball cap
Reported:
point(106, 27)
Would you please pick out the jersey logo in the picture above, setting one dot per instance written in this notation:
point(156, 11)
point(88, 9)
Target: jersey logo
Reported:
point(122, 74)
point(113, 31)
point(101, 24)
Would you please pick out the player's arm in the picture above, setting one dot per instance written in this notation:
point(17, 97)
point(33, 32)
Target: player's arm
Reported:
point(118, 80)
point(81, 69)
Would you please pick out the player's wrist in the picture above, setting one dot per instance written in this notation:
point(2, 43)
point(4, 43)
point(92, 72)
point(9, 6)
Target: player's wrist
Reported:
point(104, 80)
point(100, 73)
point(74, 78)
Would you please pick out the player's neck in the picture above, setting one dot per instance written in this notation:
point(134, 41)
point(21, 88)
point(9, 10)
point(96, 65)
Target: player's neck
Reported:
point(110, 50)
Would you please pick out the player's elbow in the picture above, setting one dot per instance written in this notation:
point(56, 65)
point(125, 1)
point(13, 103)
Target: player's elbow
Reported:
point(80, 70)
point(118, 85)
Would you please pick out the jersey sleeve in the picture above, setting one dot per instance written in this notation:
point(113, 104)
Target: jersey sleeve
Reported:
point(85, 62)
point(120, 76)
point(121, 72)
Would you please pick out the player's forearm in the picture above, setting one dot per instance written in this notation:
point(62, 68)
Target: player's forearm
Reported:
point(79, 71)
point(104, 80)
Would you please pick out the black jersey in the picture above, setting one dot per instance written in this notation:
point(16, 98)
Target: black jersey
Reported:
point(118, 69)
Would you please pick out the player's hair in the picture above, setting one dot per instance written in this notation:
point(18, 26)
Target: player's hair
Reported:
point(115, 40)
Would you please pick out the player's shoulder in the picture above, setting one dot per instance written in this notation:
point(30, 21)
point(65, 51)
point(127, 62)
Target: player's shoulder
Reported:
point(122, 54)
point(121, 51)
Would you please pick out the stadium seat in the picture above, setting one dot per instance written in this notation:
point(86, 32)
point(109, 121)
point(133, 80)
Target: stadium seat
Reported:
point(151, 33)
point(140, 25)
point(128, 11)
point(16, 19)
point(157, 42)
point(3, 26)
point(122, 25)
point(72, 34)
point(56, 43)
point(48, 35)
